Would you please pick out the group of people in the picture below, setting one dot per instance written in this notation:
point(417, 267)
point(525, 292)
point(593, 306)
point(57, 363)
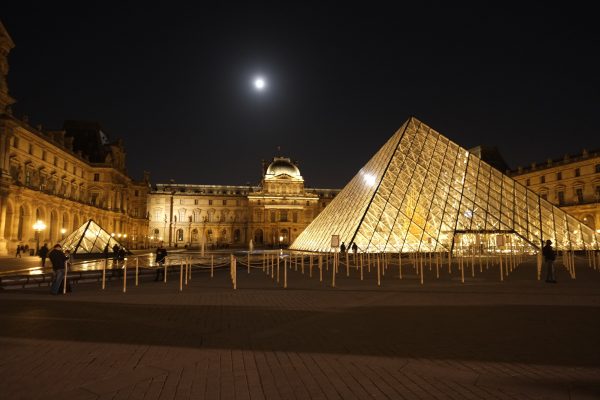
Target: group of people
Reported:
point(21, 248)
point(354, 247)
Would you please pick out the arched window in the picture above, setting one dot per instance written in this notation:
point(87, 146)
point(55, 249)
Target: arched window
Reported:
point(179, 235)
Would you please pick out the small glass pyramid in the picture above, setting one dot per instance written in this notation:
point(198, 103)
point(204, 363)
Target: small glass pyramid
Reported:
point(422, 193)
point(90, 239)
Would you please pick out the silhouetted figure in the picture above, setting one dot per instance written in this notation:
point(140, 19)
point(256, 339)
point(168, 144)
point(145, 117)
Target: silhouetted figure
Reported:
point(549, 257)
point(354, 247)
point(43, 253)
point(58, 260)
point(161, 254)
point(19, 250)
point(342, 247)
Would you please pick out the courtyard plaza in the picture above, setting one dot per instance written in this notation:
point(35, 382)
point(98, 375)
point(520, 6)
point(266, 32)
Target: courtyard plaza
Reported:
point(519, 338)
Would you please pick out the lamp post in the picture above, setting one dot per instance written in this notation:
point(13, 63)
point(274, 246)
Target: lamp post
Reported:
point(38, 227)
point(62, 232)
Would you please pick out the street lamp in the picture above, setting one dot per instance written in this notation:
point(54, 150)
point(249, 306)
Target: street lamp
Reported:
point(63, 231)
point(38, 227)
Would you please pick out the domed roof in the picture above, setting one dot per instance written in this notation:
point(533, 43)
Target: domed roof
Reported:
point(281, 166)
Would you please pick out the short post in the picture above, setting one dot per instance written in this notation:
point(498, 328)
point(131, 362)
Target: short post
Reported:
point(190, 267)
point(165, 277)
point(137, 266)
point(104, 274)
point(186, 270)
point(212, 265)
point(285, 274)
point(248, 261)
point(65, 278)
point(181, 275)
point(333, 271)
point(378, 273)
point(320, 268)
point(125, 276)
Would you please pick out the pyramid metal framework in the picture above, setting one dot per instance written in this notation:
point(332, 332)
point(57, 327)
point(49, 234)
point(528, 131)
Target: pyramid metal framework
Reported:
point(89, 239)
point(421, 190)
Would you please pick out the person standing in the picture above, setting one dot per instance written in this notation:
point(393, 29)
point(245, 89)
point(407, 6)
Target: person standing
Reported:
point(43, 253)
point(549, 257)
point(343, 248)
point(58, 260)
point(19, 249)
point(354, 247)
point(161, 254)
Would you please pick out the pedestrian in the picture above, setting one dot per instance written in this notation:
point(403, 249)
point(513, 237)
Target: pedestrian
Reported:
point(549, 257)
point(106, 252)
point(161, 254)
point(343, 248)
point(43, 253)
point(58, 260)
point(115, 252)
point(19, 249)
point(354, 247)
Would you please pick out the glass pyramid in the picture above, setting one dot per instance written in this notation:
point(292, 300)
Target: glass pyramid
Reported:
point(421, 191)
point(89, 239)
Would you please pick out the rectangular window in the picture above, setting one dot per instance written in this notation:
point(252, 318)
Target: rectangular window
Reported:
point(195, 201)
point(283, 216)
point(528, 182)
point(55, 161)
point(210, 202)
point(272, 216)
point(96, 177)
point(94, 198)
point(30, 149)
point(558, 176)
point(295, 216)
point(224, 202)
point(44, 155)
point(543, 179)
point(597, 193)
point(561, 198)
point(136, 193)
point(579, 194)
point(237, 202)
point(577, 172)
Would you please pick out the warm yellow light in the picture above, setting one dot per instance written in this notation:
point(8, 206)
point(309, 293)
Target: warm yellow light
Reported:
point(112, 234)
point(39, 225)
point(125, 235)
point(63, 231)
point(281, 238)
point(369, 179)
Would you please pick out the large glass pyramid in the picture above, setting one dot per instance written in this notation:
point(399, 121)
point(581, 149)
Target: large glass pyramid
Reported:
point(421, 191)
point(89, 239)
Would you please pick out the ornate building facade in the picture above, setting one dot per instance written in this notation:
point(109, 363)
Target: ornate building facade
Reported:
point(571, 182)
point(62, 178)
point(272, 214)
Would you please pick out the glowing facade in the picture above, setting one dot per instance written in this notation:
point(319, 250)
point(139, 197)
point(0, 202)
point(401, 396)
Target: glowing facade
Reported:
point(422, 192)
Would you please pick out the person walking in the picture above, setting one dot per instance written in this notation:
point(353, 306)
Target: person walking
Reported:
point(161, 254)
point(43, 253)
point(549, 257)
point(19, 249)
point(58, 260)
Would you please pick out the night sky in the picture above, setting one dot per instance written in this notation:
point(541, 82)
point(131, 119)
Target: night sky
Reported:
point(175, 82)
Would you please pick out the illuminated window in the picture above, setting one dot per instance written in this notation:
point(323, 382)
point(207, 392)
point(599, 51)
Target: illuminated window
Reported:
point(179, 235)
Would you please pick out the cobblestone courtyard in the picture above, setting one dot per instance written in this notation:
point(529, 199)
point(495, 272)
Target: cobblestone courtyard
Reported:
point(485, 339)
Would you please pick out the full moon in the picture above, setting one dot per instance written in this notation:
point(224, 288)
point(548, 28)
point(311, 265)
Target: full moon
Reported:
point(259, 83)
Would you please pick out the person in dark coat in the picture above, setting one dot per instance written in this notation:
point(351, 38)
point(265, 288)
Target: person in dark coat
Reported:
point(58, 260)
point(19, 250)
point(43, 253)
point(343, 248)
point(354, 247)
point(161, 254)
point(549, 257)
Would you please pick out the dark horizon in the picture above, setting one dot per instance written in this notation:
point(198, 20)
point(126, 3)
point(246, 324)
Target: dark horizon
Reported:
point(174, 84)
